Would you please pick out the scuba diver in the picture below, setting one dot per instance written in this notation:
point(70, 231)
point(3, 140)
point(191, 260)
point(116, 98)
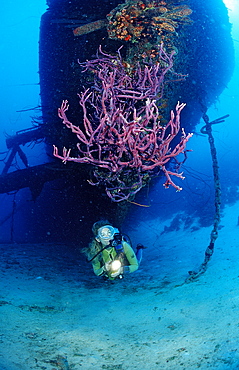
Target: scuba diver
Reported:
point(110, 252)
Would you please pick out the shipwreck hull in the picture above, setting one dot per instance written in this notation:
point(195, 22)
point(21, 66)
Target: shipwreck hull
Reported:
point(204, 53)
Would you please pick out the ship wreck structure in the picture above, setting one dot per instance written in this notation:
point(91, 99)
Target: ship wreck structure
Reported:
point(196, 33)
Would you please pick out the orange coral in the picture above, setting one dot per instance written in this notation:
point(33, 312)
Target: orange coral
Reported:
point(134, 20)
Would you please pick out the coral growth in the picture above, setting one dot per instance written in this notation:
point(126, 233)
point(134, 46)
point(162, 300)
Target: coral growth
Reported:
point(154, 21)
point(123, 137)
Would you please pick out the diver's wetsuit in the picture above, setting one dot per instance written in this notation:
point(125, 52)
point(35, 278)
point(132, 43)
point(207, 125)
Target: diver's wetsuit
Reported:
point(129, 260)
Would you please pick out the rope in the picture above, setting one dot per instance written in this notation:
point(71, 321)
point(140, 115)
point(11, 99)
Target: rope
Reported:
point(207, 129)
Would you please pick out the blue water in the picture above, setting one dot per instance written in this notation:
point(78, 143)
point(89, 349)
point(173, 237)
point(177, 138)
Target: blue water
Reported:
point(19, 63)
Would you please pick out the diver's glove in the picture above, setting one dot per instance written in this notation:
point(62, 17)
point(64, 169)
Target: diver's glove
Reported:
point(107, 266)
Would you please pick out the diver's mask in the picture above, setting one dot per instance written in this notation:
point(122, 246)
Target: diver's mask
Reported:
point(107, 232)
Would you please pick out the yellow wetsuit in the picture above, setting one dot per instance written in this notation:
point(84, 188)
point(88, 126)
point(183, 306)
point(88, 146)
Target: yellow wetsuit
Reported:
point(130, 262)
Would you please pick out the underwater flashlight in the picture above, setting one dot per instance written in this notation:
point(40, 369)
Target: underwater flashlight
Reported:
point(115, 265)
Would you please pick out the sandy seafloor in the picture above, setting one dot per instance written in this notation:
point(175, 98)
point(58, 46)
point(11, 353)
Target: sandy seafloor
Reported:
point(55, 314)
